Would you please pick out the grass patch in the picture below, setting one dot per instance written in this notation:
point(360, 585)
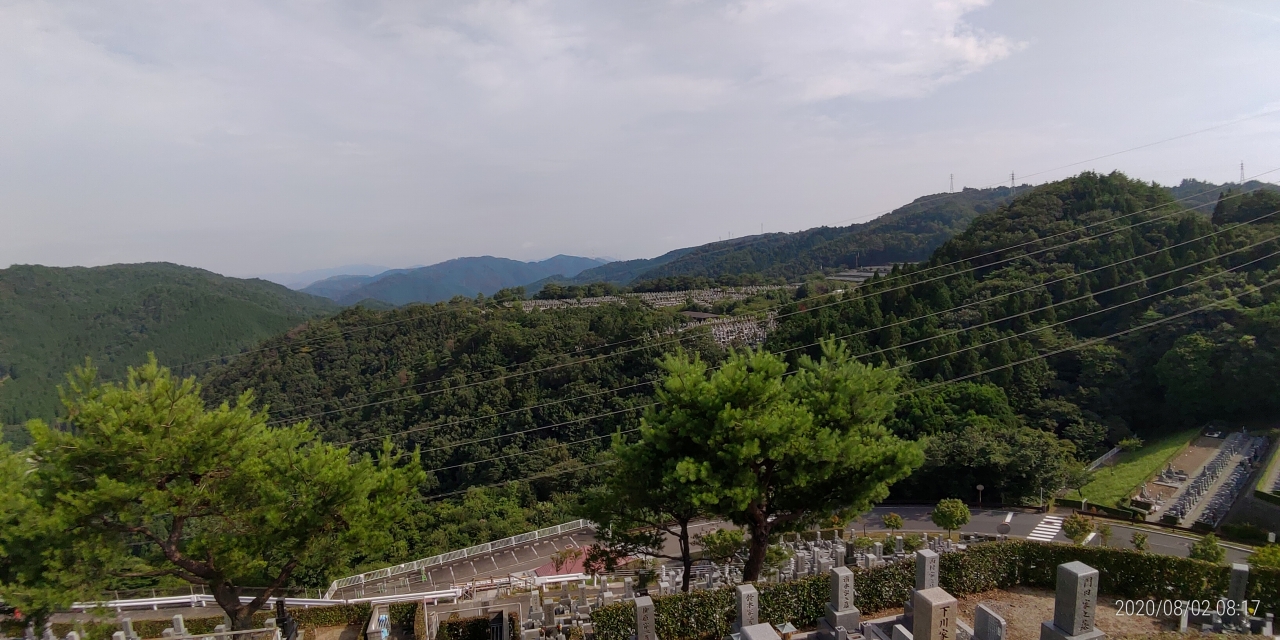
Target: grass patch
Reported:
point(1271, 464)
point(1132, 468)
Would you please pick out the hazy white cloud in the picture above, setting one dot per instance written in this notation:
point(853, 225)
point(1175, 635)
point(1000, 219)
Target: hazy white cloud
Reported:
point(250, 136)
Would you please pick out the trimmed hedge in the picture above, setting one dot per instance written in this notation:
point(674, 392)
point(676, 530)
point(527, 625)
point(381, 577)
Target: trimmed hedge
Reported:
point(701, 615)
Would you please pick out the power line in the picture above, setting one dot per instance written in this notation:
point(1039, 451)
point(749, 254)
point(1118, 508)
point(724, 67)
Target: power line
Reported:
point(805, 309)
point(921, 201)
point(1042, 251)
point(1009, 365)
point(920, 341)
point(1091, 340)
point(439, 496)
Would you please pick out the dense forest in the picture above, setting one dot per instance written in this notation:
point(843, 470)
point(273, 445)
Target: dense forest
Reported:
point(52, 318)
point(1054, 273)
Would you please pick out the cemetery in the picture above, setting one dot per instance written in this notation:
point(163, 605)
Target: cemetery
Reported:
point(984, 591)
point(829, 588)
point(1198, 486)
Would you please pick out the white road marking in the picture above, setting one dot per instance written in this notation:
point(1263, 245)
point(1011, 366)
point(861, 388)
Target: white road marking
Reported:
point(1047, 529)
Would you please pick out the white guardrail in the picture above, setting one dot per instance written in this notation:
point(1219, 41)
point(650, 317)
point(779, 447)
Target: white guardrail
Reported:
point(461, 554)
point(202, 600)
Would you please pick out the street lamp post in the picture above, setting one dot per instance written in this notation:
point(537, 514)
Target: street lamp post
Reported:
point(980, 488)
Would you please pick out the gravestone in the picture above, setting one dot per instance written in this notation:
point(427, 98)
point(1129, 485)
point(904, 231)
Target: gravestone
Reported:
point(878, 549)
point(926, 569)
point(646, 622)
point(119, 635)
point(748, 606)
point(842, 615)
point(1238, 591)
point(1075, 604)
point(900, 633)
point(762, 631)
point(627, 591)
point(129, 633)
point(897, 544)
point(987, 624)
point(934, 615)
point(179, 625)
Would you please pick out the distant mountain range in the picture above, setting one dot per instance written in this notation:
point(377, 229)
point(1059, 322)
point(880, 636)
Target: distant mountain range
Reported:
point(459, 277)
point(52, 318)
point(301, 279)
point(907, 234)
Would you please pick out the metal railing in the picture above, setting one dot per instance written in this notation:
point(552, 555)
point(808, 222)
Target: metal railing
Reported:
point(480, 549)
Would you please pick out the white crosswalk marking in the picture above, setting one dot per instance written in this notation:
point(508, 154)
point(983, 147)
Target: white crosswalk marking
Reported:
point(1047, 529)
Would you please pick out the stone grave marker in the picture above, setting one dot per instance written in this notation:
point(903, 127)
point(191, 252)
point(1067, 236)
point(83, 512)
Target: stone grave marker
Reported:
point(842, 615)
point(934, 612)
point(1075, 604)
point(1238, 590)
point(897, 544)
point(748, 606)
point(987, 624)
point(646, 622)
point(762, 631)
point(926, 569)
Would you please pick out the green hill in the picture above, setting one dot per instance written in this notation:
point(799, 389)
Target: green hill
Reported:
point(52, 318)
point(907, 234)
point(443, 377)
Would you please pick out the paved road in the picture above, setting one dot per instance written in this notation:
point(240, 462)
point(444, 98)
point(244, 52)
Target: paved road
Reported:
point(1023, 524)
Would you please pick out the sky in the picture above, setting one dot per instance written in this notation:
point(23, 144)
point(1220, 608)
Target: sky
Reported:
point(268, 137)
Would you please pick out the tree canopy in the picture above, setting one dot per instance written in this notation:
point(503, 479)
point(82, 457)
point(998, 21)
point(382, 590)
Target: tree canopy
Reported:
point(142, 480)
point(776, 451)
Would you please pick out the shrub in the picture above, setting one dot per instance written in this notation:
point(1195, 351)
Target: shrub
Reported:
point(1124, 573)
point(1077, 527)
point(1138, 540)
point(950, 514)
point(1207, 549)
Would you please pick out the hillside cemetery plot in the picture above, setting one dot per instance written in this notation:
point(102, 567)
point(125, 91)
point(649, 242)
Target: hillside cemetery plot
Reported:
point(1198, 487)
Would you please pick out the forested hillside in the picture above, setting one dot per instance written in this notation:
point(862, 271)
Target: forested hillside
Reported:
point(1216, 363)
point(906, 234)
point(1058, 267)
point(52, 318)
